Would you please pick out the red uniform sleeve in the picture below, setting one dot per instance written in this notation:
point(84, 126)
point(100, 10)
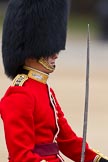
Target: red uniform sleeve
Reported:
point(69, 143)
point(17, 113)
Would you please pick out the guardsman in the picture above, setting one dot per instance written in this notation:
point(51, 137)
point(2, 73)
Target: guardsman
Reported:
point(34, 32)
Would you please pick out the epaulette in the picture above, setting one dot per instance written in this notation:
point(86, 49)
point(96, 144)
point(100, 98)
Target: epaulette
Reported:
point(19, 80)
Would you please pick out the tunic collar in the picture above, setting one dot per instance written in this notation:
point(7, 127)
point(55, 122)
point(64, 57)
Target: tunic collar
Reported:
point(36, 74)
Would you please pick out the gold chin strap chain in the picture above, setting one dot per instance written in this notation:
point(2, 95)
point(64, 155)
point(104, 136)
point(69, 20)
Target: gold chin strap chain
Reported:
point(99, 156)
point(45, 64)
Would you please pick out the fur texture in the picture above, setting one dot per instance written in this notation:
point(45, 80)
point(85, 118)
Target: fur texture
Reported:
point(32, 28)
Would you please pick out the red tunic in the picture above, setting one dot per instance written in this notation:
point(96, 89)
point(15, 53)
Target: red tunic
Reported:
point(29, 119)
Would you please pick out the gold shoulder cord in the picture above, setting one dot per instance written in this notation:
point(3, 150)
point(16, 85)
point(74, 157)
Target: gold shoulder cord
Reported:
point(99, 156)
point(19, 80)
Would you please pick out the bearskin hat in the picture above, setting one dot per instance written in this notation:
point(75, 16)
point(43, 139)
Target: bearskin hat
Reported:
point(32, 29)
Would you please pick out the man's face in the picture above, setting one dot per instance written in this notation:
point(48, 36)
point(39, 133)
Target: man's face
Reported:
point(34, 63)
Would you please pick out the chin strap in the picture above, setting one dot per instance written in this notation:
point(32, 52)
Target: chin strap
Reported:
point(45, 64)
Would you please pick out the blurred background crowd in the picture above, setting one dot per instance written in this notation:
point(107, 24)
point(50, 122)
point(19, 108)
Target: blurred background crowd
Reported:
point(81, 13)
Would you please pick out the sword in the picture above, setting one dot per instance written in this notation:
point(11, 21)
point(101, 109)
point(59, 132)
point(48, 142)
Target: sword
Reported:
point(86, 99)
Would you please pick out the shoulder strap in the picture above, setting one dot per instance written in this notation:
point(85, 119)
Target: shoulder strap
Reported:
point(19, 80)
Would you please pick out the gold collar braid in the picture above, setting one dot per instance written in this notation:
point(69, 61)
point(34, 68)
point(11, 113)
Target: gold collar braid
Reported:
point(36, 74)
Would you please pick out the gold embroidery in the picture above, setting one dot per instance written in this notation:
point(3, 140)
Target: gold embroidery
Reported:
point(19, 80)
point(99, 156)
point(37, 75)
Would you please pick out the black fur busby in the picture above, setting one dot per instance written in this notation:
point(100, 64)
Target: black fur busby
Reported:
point(32, 29)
